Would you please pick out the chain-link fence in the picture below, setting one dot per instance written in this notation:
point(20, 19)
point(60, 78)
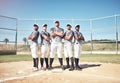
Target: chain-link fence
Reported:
point(8, 35)
point(101, 34)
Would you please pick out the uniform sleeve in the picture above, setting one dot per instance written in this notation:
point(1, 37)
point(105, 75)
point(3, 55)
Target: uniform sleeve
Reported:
point(51, 30)
point(36, 34)
point(62, 30)
point(72, 33)
point(42, 34)
point(64, 35)
point(48, 34)
point(41, 38)
point(75, 34)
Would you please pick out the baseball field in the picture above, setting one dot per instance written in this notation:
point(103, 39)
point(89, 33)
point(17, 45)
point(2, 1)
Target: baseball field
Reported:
point(97, 68)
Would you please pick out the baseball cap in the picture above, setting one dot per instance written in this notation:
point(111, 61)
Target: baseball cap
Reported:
point(35, 25)
point(44, 25)
point(68, 25)
point(56, 21)
point(77, 26)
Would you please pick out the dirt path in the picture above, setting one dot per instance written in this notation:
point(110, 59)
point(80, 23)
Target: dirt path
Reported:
point(20, 72)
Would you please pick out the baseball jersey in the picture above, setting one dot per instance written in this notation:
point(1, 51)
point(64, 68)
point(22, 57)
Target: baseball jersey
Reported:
point(43, 41)
point(67, 33)
point(36, 34)
point(56, 38)
point(76, 33)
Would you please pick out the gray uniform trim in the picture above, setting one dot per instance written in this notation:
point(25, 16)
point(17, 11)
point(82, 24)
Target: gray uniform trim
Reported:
point(43, 41)
point(56, 38)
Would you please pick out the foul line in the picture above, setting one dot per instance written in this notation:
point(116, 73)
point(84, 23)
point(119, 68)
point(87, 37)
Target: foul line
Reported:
point(21, 77)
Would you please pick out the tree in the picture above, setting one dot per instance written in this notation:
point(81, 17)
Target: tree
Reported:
point(6, 40)
point(25, 40)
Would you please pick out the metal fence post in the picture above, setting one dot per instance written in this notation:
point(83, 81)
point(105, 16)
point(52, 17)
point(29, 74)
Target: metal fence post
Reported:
point(91, 36)
point(16, 34)
point(116, 34)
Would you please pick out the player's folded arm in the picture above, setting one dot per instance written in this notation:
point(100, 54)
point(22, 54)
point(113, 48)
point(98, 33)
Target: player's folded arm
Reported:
point(46, 37)
point(52, 33)
point(59, 34)
point(68, 37)
point(33, 37)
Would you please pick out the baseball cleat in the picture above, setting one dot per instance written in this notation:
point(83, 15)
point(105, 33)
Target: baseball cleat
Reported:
point(63, 68)
point(47, 66)
point(78, 68)
point(42, 68)
point(68, 66)
point(35, 69)
point(71, 68)
point(50, 68)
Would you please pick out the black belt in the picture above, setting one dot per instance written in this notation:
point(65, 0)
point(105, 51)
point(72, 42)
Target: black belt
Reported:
point(76, 43)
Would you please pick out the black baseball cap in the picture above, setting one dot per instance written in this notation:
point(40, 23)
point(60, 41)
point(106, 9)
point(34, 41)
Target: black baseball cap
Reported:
point(68, 25)
point(35, 25)
point(45, 25)
point(77, 26)
point(56, 21)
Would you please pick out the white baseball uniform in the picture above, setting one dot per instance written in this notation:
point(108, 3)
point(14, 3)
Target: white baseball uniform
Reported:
point(77, 45)
point(68, 52)
point(56, 44)
point(45, 49)
point(34, 44)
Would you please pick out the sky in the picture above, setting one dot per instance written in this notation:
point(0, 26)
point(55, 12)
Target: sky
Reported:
point(67, 9)
point(83, 9)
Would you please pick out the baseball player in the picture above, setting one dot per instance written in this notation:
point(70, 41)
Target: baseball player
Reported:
point(56, 44)
point(78, 46)
point(34, 41)
point(45, 49)
point(68, 52)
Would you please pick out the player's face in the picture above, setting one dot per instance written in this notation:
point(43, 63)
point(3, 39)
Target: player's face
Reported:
point(35, 28)
point(56, 24)
point(68, 27)
point(77, 29)
point(44, 28)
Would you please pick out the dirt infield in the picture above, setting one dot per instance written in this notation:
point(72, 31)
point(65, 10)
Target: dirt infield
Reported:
point(93, 72)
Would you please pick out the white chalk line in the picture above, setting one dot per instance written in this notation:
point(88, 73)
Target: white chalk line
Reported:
point(21, 77)
point(37, 74)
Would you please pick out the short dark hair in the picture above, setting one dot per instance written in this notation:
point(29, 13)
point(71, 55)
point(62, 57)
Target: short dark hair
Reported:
point(77, 26)
point(56, 21)
point(68, 25)
point(45, 25)
point(35, 25)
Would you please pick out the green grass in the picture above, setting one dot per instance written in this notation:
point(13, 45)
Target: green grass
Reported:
point(14, 58)
point(104, 58)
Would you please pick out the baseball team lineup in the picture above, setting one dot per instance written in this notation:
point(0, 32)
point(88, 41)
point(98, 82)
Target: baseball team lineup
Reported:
point(51, 45)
